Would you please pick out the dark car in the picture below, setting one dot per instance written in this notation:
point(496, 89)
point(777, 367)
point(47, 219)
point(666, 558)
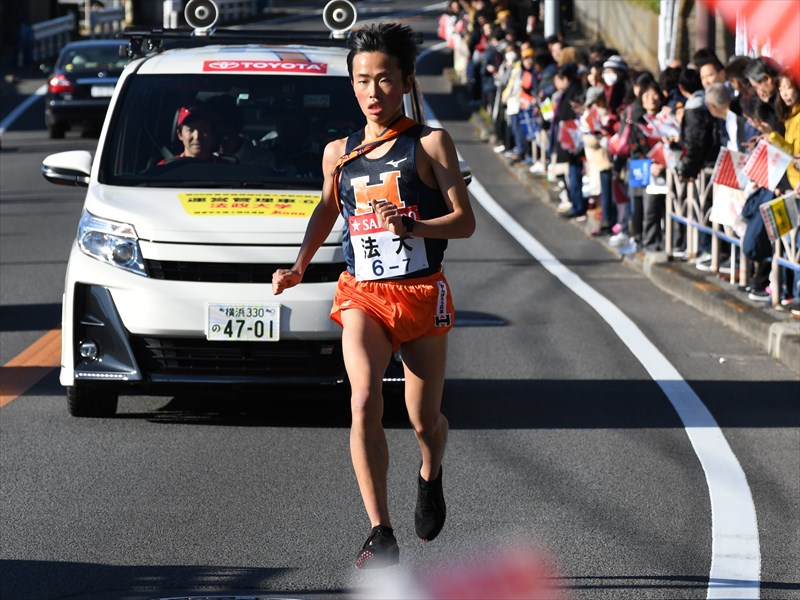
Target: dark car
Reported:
point(81, 84)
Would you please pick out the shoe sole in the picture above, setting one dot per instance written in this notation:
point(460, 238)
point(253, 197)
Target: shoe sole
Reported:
point(367, 560)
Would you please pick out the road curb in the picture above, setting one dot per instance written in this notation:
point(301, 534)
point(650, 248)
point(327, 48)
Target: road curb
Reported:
point(776, 333)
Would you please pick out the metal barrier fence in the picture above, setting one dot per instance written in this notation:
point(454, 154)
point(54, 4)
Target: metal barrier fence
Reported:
point(50, 36)
point(688, 214)
point(231, 10)
point(106, 22)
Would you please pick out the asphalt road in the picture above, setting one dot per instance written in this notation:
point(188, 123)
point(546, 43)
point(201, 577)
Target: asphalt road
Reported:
point(560, 436)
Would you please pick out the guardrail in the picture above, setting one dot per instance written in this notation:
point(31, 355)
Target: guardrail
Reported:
point(232, 10)
point(106, 22)
point(48, 37)
point(688, 205)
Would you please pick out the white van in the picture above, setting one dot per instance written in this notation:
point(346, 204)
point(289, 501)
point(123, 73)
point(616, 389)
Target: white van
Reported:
point(169, 278)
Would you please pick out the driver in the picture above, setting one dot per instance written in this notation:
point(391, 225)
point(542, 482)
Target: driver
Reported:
point(196, 133)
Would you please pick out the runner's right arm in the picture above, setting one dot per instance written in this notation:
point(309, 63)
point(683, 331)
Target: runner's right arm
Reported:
point(319, 225)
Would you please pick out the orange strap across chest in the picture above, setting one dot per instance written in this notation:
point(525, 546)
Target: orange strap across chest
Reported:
point(394, 129)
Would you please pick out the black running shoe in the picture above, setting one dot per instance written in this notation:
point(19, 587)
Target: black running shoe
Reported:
point(380, 549)
point(431, 511)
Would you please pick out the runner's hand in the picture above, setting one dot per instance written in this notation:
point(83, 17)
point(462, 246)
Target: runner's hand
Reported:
point(283, 279)
point(389, 217)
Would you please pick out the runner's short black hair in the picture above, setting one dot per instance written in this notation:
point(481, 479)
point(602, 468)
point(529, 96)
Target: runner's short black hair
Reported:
point(390, 38)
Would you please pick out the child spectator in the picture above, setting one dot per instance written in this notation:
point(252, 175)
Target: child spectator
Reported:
point(596, 124)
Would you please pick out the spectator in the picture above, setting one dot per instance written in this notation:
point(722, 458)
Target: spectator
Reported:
point(512, 98)
point(699, 139)
point(718, 102)
point(755, 243)
point(594, 76)
point(615, 74)
point(787, 110)
point(648, 211)
point(598, 161)
point(567, 82)
point(545, 67)
point(668, 80)
point(761, 73)
point(735, 73)
point(501, 120)
point(569, 54)
point(596, 51)
point(491, 60)
point(697, 132)
point(711, 70)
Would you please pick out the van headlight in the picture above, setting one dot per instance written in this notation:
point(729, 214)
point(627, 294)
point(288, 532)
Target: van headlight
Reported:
point(111, 242)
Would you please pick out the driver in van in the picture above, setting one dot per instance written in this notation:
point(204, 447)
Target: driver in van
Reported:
point(195, 130)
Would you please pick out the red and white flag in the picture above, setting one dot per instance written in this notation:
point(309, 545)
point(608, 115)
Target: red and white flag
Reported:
point(729, 169)
point(569, 136)
point(663, 125)
point(593, 119)
point(656, 154)
point(766, 165)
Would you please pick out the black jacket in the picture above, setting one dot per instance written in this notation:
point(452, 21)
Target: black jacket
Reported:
point(564, 112)
point(699, 137)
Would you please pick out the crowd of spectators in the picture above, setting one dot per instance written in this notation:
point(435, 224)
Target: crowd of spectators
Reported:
point(605, 133)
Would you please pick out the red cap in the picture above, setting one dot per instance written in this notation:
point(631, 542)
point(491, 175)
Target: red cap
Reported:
point(187, 113)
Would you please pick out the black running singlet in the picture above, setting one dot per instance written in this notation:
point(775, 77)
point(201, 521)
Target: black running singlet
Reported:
point(371, 252)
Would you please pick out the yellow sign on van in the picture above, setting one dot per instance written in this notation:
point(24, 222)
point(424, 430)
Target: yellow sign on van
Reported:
point(223, 204)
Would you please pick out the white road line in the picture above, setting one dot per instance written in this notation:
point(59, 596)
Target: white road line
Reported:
point(23, 106)
point(736, 555)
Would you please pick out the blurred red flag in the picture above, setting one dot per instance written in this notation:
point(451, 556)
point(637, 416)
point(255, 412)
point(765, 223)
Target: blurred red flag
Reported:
point(776, 20)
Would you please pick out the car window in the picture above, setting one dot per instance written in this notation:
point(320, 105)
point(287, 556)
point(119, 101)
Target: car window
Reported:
point(269, 131)
point(92, 58)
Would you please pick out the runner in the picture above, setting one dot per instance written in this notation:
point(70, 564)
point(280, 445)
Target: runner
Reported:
point(399, 188)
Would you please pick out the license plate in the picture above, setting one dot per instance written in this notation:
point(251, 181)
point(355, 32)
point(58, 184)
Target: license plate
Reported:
point(243, 322)
point(102, 91)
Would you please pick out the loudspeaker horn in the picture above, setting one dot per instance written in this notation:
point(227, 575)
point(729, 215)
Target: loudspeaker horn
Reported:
point(339, 15)
point(201, 14)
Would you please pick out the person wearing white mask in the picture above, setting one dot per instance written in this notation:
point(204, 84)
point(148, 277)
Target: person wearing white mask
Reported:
point(615, 75)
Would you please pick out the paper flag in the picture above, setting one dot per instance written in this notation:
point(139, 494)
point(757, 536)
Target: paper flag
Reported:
point(664, 124)
point(569, 136)
point(766, 165)
point(780, 215)
point(729, 169)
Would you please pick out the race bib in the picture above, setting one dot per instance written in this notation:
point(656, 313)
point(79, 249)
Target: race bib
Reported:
point(381, 254)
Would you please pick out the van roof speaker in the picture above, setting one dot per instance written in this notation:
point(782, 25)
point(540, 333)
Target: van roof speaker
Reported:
point(339, 16)
point(201, 14)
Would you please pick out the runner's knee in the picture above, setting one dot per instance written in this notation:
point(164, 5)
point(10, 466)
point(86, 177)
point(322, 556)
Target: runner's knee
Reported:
point(366, 406)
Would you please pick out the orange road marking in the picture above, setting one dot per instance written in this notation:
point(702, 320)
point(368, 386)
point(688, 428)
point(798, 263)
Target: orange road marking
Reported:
point(23, 371)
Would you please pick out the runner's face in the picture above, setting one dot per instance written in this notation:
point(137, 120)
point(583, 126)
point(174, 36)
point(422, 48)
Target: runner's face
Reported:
point(379, 86)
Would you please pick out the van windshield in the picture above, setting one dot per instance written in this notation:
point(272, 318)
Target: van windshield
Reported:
point(227, 130)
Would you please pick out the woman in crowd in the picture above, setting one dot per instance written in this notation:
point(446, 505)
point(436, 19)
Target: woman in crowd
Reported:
point(653, 207)
point(568, 83)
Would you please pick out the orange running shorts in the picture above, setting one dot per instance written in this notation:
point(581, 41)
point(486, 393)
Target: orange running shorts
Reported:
point(407, 309)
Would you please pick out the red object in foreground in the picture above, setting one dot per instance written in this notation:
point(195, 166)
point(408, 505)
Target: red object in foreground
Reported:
point(776, 20)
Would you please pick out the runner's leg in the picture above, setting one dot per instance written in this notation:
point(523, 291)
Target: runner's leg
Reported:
point(424, 361)
point(367, 351)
